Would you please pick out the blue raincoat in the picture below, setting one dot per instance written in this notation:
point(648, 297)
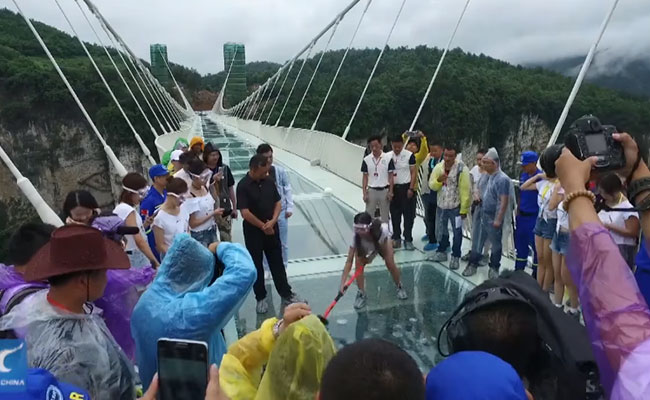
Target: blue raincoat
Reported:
point(181, 304)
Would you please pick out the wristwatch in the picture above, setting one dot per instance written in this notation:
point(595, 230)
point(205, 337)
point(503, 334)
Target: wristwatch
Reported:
point(276, 328)
point(637, 187)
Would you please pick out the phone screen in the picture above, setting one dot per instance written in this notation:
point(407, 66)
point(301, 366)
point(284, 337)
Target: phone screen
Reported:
point(182, 369)
point(596, 143)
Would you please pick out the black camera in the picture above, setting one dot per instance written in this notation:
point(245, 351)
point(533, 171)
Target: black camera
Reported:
point(587, 137)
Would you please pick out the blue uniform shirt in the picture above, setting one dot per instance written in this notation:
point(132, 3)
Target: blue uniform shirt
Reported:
point(528, 198)
point(152, 202)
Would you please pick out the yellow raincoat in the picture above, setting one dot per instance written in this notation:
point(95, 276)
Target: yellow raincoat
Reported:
point(294, 363)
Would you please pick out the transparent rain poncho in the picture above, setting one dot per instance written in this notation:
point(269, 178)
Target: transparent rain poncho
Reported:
point(294, 363)
point(76, 348)
point(181, 303)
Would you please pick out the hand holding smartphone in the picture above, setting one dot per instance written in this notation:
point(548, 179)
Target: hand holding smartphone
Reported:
point(182, 369)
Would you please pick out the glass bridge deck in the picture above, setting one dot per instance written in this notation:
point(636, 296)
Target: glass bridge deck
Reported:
point(319, 235)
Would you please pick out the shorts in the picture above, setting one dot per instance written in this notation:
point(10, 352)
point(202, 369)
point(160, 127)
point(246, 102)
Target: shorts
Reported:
point(545, 228)
point(560, 243)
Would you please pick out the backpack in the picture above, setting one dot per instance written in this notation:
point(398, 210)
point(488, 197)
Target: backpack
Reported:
point(10, 298)
point(564, 353)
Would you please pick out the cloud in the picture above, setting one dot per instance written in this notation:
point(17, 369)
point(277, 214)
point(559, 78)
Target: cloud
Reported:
point(513, 30)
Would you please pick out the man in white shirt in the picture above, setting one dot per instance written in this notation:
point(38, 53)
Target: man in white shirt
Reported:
point(403, 202)
point(377, 168)
point(476, 171)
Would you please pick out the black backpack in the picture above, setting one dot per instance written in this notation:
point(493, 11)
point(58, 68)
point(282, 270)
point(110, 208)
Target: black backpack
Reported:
point(565, 356)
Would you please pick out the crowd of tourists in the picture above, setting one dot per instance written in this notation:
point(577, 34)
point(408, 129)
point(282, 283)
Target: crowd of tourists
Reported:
point(92, 298)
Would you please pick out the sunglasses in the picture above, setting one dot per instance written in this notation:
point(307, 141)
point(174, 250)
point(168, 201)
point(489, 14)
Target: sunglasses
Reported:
point(142, 192)
point(361, 228)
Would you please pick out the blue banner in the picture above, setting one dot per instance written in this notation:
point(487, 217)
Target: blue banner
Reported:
point(13, 366)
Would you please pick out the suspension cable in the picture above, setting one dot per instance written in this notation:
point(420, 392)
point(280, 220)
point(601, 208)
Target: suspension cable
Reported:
point(44, 211)
point(277, 96)
point(252, 108)
point(121, 171)
point(225, 83)
point(340, 15)
point(111, 33)
point(188, 106)
point(435, 74)
point(143, 147)
point(259, 107)
point(127, 67)
point(581, 76)
point(374, 69)
point(275, 82)
point(313, 75)
point(336, 75)
point(295, 82)
point(128, 88)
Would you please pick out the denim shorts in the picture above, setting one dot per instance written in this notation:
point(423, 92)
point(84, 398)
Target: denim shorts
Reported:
point(545, 229)
point(560, 243)
point(206, 237)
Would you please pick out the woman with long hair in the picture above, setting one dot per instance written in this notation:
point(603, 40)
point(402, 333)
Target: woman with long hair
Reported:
point(222, 188)
point(546, 224)
point(80, 207)
point(201, 205)
point(371, 237)
point(172, 219)
point(623, 225)
point(134, 189)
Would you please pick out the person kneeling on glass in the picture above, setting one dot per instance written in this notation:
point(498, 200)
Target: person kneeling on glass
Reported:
point(371, 237)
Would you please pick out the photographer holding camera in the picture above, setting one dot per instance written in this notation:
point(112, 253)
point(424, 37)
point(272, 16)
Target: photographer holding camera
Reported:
point(615, 313)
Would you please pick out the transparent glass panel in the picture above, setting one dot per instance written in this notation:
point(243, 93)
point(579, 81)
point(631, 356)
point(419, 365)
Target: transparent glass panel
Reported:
point(412, 324)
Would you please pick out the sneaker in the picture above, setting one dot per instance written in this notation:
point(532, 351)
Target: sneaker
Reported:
point(469, 270)
point(430, 246)
point(484, 260)
point(573, 312)
point(294, 298)
point(409, 246)
point(438, 256)
point(454, 264)
point(401, 293)
point(466, 256)
point(262, 307)
point(493, 273)
point(425, 238)
point(360, 301)
point(397, 244)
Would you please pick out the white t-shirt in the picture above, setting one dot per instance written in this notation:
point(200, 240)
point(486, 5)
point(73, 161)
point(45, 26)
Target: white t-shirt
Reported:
point(123, 210)
point(369, 245)
point(403, 163)
point(544, 193)
point(201, 207)
point(173, 225)
point(476, 174)
point(562, 216)
point(618, 218)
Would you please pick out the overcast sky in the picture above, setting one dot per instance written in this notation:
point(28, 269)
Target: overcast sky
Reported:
point(519, 31)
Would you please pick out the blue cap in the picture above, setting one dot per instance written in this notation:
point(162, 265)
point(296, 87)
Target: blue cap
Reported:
point(43, 385)
point(528, 157)
point(158, 170)
point(491, 378)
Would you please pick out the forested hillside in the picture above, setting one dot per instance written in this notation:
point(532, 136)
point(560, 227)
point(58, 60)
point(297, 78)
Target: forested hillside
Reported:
point(475, 98)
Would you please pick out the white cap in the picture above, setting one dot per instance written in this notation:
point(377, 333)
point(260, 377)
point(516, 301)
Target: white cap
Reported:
point(176, 155)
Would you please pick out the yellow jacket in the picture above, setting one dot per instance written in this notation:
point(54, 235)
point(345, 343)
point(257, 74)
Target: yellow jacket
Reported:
point(422, 153)
point(447, 199)
point(294, 364)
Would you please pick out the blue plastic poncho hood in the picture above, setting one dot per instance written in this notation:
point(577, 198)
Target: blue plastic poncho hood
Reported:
point(180, 304)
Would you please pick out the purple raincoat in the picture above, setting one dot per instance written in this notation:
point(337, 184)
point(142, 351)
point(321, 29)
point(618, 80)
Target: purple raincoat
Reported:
point(615, 312)
point(120, 296)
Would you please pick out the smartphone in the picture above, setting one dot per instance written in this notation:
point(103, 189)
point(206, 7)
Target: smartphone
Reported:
point(182, 369)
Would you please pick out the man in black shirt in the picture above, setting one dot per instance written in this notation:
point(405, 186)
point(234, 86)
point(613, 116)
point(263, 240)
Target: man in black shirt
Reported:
point(260, 205)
